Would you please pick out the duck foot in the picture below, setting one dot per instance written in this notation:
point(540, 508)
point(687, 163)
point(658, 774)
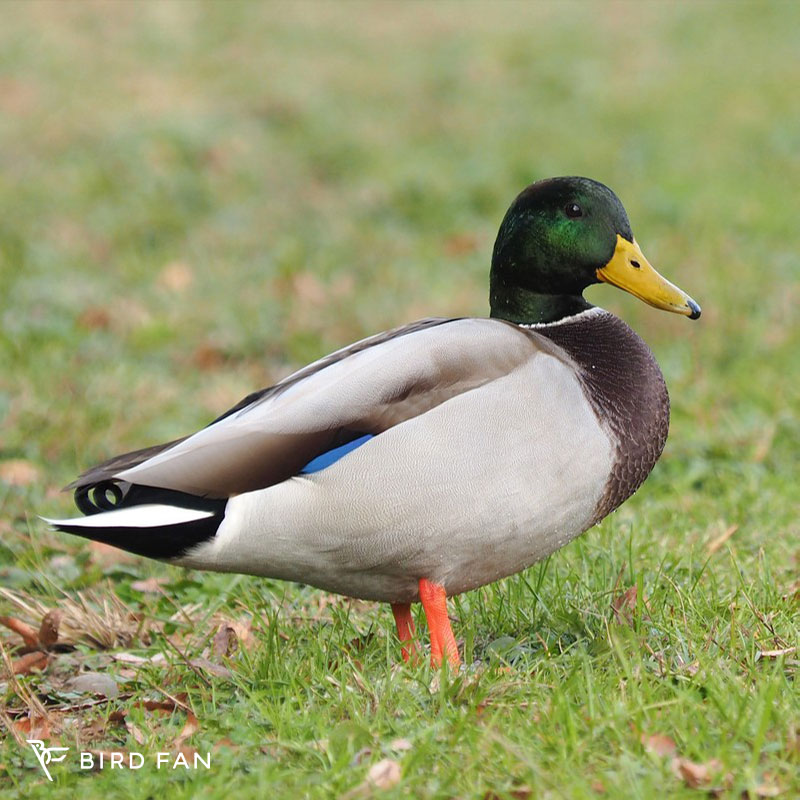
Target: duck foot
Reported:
point(406, 630)
point(443, 643)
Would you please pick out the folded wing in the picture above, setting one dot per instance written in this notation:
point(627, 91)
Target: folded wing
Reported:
point(361, 390)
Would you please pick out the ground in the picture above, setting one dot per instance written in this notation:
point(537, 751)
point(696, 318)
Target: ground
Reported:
point(198, 197)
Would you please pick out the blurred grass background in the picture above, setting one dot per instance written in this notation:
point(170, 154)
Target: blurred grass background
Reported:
point(199, 197)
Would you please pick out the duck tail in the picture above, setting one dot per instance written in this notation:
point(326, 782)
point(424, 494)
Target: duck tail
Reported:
point(150, 522)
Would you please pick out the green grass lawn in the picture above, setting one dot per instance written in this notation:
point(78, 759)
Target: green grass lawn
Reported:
point(197, 198)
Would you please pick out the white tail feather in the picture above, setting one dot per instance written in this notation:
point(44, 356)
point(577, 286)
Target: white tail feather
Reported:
point(144, 516)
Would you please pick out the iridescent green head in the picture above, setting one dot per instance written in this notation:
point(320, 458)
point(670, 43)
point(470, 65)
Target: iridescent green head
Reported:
point(560, 236)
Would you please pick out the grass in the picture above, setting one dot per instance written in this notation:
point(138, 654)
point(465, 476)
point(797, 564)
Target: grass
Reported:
point(198, 198)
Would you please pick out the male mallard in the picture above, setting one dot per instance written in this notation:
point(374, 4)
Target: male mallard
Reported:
point(433, 458)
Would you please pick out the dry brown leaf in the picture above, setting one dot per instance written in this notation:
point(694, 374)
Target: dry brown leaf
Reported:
point(30, 662)
point(624, 605)
point(191, 727)
point(19, 472)
point(225, 640)
point(385, 774)
point(132, 658)
point(768, 790)
point(225, 742)
point(34, 728)
point(28, 633)
point(217, 670)
point(97, 683)
point(244, 631)
point(136, 733)
point(158, 705)
point(48, 630)
point(187, 751)
point(659, 744)
point(695, 775)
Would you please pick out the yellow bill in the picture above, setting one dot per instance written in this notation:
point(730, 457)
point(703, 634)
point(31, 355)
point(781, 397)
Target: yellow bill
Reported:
point(628, 269)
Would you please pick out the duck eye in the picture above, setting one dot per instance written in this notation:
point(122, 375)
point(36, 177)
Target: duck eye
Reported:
point(573, 210)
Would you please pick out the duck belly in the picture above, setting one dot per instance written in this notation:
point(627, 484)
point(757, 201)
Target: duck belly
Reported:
point(480, 487)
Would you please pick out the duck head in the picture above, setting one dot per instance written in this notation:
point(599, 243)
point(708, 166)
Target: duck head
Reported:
point(561, 235)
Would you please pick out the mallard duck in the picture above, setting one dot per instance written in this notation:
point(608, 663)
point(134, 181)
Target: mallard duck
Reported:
point(433, 458)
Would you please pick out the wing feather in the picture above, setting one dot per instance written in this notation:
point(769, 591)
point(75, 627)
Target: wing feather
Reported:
point(364, 389)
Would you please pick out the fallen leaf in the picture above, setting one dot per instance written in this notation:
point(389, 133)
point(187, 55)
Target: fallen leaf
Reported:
point(227, 743)
point(30, 662)
point(659, 744)
point(225, 641)
point(48, 630)
point(385, 774)
point(187, 751)
point(34, 727)
point(695, 775)
point(768, 790)
point(191, 727)
point(93, 683)
point(217, 670)
point(28, 633)
point(132, 658)
point(624, 605)
point(136, 733)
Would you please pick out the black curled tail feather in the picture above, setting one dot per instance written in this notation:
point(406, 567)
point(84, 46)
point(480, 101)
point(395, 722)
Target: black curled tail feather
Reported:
point(108, 495)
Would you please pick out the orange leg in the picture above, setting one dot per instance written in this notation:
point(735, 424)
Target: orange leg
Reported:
point(405, 629)
point(443, 643)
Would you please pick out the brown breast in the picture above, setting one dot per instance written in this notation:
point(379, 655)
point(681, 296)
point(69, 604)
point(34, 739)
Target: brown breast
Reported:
point(624, 384)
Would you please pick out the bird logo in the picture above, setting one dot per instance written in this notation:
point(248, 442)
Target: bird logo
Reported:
point(47, 755)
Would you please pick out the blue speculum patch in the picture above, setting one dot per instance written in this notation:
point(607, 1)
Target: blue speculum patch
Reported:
point(332, 456)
